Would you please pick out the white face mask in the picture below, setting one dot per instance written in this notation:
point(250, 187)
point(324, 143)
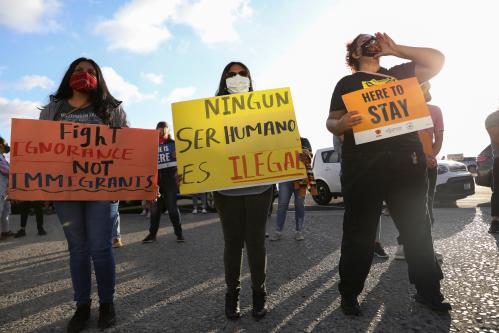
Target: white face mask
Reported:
point(237, 84)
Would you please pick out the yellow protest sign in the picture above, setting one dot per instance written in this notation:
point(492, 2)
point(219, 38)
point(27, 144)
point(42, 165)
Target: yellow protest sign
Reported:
point(237, 141)
point(388, 110)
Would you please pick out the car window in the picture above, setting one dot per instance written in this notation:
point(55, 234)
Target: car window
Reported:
point(330, 156)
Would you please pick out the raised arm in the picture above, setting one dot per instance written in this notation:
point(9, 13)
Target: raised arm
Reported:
point(428, 61)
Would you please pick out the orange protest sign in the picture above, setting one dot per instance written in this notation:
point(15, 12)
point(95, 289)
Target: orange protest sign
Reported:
point(388, 110)
point(70, 161)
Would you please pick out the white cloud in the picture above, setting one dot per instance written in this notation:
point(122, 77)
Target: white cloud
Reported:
point(214, 20)
point(29, 82)
point(122, 89)
point(141, 26)
point(29, 16)
point(17, 108)
point(152, 77)
point(179, 94)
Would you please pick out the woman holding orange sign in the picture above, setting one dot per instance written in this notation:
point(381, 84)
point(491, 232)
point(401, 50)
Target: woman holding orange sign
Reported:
point(83, 97)
point(391, 169)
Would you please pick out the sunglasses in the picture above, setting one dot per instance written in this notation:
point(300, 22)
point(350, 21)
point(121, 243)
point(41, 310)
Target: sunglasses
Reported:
point(369, 43)
point(242, 73)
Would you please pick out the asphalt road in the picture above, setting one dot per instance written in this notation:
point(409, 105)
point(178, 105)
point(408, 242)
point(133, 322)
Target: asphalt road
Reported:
point(171, 287)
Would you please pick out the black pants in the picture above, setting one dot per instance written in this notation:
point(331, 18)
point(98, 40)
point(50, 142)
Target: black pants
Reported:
point(168, 200)
point(243, 222)
point(25, 207)
point(432, 182)
point(494, 200)
point(399, 178)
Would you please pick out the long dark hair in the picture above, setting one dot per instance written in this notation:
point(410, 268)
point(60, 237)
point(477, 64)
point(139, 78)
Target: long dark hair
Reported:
point(222, 86)
point(101, 98)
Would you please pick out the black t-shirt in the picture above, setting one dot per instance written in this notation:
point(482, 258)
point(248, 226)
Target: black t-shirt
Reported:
point(361, 80)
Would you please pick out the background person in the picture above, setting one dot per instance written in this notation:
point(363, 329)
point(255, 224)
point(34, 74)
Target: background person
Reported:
point(83, 97)
point(115, 217)
point(392, 169)
point(25, 207)
point(432, 139)
point(195, 198)
point(168, 188)
point(4, 184)
point(288, 189)
point(243, 214)
point(492, 126)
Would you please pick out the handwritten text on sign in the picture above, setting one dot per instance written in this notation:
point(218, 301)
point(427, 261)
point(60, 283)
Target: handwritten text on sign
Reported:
point(72, 161)
point(388, 110)
point(237, 140)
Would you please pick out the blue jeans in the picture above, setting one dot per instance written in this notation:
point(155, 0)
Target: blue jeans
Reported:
point(286, 189)
point(88, 228)
point(115, 216)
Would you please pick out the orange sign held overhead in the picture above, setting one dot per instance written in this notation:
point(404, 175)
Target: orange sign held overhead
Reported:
point(71, 161)
point(388, 110)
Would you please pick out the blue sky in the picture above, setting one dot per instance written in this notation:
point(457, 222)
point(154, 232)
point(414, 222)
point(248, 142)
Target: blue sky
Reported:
point(156, 52)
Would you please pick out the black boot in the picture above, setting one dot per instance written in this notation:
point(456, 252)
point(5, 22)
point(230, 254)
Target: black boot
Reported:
point(79, 320)
point(107, 316)
point(259, 307)
point(232, 311)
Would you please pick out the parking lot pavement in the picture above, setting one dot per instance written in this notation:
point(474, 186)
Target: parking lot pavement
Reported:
point(171, 287)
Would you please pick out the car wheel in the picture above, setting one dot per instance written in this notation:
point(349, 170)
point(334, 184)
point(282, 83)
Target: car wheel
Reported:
point(324, 195)
point(210, 202)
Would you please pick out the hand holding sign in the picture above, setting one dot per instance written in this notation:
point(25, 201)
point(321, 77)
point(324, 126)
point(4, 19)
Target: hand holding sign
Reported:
point(388, 110)
point(349, 120)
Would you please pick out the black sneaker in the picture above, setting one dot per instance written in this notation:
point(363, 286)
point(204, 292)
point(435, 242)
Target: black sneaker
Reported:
point(232, 311)
point(42, 232)
point(20, 233)
point(494, 227)
point(379, 251)
point(350, 306)
point(107, 316)
point(259, 307)
point(180, 239)
point(433, 302)
point(7, 234)
point(79, 320)
point(149, 239)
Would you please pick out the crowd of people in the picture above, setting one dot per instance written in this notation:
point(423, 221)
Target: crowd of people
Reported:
point(399, 171)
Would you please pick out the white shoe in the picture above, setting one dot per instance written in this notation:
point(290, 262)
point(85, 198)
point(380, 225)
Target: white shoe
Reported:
point(143, 213)
point(439, 256)
point(399, 254)
point(194, 211)
point(204, 211)
point(299, 236)
point(276, 236)
point(165, 213)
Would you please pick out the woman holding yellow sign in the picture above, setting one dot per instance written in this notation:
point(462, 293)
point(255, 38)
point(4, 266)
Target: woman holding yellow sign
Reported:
point(391, 169)
point(243, 213)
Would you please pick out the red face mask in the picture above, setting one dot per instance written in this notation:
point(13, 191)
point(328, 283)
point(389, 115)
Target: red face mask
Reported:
point(83, 82)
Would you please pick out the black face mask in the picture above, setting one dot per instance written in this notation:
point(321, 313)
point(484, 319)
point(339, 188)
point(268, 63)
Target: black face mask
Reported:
point(6, 147)
point(366, 48)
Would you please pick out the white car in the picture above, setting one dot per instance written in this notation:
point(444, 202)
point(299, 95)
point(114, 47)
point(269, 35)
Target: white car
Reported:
point(326, 166)
point(453, 180)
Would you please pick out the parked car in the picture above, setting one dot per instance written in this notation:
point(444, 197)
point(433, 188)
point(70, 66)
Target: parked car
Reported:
point(470, 163)
point(454, 181)
point(134, 206)
point(326, 166)
point(484, 162)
